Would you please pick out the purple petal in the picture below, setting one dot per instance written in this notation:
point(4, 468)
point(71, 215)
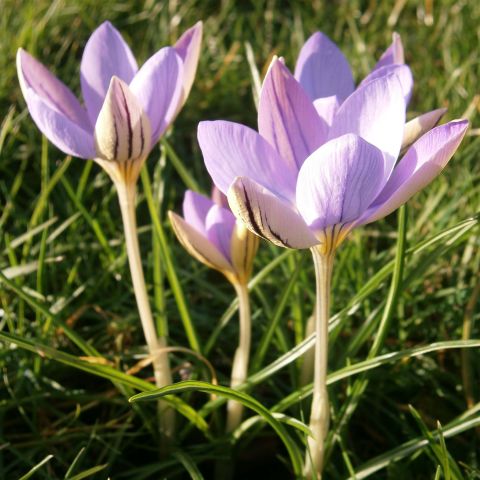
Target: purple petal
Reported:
point(287, 118)
point(188, 47)
point(231, 150)
point(198, 245)
point(158, 86)
point(422, 163)
point(61, 131)
point(54, 109)
point(195, 210)
point(393, 55)
point(268, 215)
point(420, 125)
point(106, 55)
point(375, 112)
point(219, 197)
point(51, 91)
point(323, 70)
point(339, 181)
point(404, 75)
point(327, 107)
point(220, 223)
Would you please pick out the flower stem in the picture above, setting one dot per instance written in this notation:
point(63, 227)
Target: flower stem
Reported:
point(319, 417)
point(242, 355)
point(156, 346)
point(306, 372)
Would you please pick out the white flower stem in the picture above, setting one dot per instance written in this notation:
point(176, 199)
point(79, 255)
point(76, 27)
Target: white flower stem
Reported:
point(306, 372)
point(320, 415)
point(242, 355)
point(156, 346)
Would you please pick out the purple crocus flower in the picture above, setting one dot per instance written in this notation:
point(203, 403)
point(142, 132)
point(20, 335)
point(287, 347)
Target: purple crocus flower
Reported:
point(126, 109)
point(301, 181)
point(211, 234)
point(125, 112)
point(305, 180)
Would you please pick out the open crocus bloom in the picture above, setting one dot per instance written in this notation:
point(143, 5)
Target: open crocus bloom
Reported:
point(126, 109)
point(302, 181)
point(211, 234)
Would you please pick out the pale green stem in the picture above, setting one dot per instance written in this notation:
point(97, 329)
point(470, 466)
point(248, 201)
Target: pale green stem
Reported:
point(320, 414)
point(156, 346)
point(306, 373)
point(242, 355)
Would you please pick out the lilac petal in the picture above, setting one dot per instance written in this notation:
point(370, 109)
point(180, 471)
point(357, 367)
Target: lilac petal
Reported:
point(375, 112)
point(327, 107)
point(198, 245)
point(188, 48)
point(268, 215)
point(61, 131)
point(54, 109)
point(404, 75)
point(106, 55)
point(158, 86)
point(219, 224)
point(287, 118)
point(393, 55)
point(422, 163)
point(219, 197)
point(323, 70)
point(339, 181)
point(51, 91)
point(195, 210)
point(420, 125)
point(231, 150)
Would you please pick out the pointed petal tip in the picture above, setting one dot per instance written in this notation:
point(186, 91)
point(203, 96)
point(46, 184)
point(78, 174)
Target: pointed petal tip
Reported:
point(105, 25)
point(322, 69)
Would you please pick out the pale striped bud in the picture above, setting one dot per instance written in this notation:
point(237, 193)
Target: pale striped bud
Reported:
point(122, 131)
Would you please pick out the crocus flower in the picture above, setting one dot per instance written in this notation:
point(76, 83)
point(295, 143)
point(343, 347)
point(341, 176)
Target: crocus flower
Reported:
point(299, 182)
point(126, 109)
point(211, 234)
point(305, 181)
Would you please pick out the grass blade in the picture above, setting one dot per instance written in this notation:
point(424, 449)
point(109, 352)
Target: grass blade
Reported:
point(189, 465)
point(36, 467)
point(246, 400)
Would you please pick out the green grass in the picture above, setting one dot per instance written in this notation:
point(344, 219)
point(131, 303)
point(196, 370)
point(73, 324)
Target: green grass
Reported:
point(69, 329)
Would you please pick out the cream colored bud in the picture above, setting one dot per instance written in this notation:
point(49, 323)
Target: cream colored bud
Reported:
point(243, 247)
point(122, 131)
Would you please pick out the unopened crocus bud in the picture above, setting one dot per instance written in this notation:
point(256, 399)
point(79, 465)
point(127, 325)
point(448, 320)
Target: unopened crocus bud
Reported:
point(210, 233)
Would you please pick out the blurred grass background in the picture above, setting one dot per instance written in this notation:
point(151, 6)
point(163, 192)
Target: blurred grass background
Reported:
point(61, 245)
